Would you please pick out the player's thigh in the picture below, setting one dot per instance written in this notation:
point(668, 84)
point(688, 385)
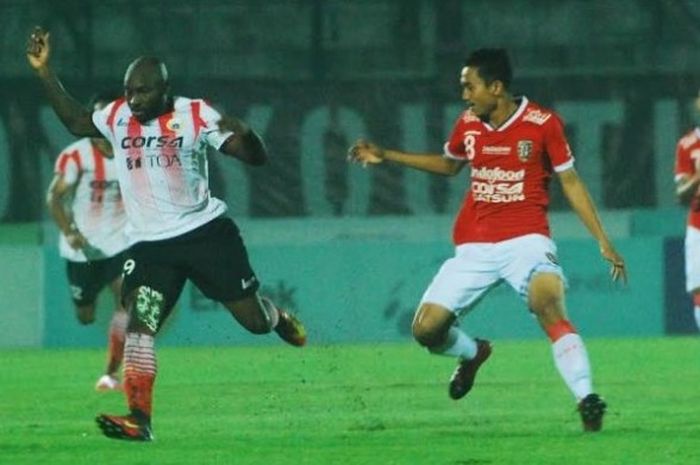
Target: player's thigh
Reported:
point(218, 264)
point(692, 259)
point(463, 280)
point(112, 274)
point(526, 257)
point(151, 284)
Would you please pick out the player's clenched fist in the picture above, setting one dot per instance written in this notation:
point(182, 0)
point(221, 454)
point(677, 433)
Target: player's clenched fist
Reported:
point(38, 48)
point(366, 153)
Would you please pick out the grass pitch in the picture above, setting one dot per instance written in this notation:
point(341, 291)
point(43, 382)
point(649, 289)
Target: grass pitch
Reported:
point(378, 404)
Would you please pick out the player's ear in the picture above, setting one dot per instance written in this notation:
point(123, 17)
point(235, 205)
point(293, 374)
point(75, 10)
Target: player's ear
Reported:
point(497, 88)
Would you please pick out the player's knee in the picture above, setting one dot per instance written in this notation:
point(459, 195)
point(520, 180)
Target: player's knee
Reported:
point(546, 293)
point(431, 324)
point(426, 334)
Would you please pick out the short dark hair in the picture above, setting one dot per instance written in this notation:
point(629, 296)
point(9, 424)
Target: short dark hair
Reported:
point(493, 64)
point(104, 96)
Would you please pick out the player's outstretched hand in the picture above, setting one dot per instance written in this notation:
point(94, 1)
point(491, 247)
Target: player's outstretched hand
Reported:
point(38, 48)
point(617, 270)
point(365, 153)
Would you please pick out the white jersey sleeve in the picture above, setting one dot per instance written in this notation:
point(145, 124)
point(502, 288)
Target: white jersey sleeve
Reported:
point(68, 166)
point(101, 119)
point(211, 132)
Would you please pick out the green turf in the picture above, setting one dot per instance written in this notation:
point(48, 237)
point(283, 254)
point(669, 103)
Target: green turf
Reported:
point(383, 404)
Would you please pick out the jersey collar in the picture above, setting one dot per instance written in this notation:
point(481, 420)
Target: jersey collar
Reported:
point(514, 117)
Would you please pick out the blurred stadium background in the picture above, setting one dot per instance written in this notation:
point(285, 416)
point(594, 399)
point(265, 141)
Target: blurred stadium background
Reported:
point(352, 250)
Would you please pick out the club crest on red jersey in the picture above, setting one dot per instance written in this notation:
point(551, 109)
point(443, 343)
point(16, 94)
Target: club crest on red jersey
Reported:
point(524, 150)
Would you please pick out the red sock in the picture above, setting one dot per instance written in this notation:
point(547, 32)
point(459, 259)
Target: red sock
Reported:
point(139, 372)
point(560, 328)
point(117, 331)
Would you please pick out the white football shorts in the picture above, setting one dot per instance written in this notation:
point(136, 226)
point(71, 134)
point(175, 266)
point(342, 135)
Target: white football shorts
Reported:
point(477, 268)
point(692, 259)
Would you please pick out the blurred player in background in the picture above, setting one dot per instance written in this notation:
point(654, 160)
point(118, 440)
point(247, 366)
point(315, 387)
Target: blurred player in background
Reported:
point(502, 231)
point(687, 189)
point(86, 204)
point(178, 230)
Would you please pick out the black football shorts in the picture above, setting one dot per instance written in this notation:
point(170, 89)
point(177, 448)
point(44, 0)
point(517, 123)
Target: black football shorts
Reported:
point(86, 279)
point(212, 256)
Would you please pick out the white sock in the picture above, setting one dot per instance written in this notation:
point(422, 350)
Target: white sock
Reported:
point(697, 316)
point(458, 345)
point(571, 360)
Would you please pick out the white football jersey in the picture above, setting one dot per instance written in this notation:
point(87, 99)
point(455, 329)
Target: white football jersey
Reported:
point(96, 206)
point(162, 166)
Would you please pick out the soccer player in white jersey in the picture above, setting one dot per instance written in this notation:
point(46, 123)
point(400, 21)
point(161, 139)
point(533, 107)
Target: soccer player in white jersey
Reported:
point(687, 176)
point(502, 232)
point(86, 204)
point(178, 230)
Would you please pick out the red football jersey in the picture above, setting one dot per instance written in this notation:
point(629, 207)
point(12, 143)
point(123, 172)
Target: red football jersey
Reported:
point(687, 163)
point(510, 171)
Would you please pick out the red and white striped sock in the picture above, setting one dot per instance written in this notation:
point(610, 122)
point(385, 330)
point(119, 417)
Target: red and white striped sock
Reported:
point(571, 358)
point(139, 371)
point(115, 349)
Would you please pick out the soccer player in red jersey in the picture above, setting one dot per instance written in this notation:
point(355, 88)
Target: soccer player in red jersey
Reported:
point(86, 204)
point(177, 229)
point(687, 177)
point(502, 232)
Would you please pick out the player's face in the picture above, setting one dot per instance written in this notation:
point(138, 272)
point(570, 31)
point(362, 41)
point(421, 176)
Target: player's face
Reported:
point(479, 95)
point(146, 93)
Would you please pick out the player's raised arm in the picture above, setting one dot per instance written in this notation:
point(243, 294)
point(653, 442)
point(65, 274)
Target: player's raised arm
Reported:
point(580, 200)
point(245, 144)
point(367, 153)
point(72, 114)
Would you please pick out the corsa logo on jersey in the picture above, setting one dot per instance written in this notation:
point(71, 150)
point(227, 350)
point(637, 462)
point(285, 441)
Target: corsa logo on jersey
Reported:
point(498, 192)
point(151, 142)
point(496, 185)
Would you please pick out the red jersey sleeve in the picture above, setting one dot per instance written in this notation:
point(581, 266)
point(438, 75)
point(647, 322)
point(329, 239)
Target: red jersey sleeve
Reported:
point(454, 147)
point(556, 146)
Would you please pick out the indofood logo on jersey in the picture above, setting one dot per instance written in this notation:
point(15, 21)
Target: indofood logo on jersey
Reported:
point(496, 185)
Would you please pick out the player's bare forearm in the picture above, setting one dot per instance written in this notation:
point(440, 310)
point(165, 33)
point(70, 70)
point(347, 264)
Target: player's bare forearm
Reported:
point(76, 118)
point(55, 198)
point(252, 149)
point(580, 200)
point(245, 144)
point(247, 147)
point(431, 163)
